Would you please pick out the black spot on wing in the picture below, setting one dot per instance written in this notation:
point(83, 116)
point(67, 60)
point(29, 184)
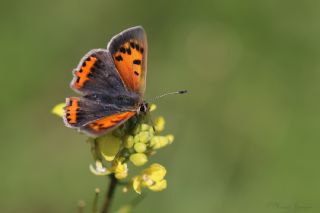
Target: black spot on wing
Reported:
point(129, 35)
point(122, 49)
point(129, 51)
point(119, 58)
point(137, 62)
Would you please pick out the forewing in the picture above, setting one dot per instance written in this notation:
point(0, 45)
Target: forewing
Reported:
point(129, 52)
point(96, 74)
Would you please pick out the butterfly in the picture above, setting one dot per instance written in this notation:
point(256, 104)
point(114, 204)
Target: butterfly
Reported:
point(111, 83)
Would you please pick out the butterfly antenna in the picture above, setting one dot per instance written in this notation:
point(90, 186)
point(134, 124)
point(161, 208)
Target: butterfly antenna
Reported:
point(151, 120)
point(169, 93)
point(160, 96)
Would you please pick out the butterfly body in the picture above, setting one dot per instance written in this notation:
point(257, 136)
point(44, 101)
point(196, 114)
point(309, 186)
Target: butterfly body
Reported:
point(111, 82)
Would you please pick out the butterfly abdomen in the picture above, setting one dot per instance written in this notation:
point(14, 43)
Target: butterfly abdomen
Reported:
point(126, 100)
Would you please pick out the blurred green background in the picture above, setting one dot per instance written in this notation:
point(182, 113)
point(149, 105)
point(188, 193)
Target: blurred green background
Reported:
point(247, 134)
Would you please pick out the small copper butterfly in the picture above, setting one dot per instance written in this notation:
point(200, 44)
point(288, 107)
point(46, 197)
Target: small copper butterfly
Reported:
point(111, 82)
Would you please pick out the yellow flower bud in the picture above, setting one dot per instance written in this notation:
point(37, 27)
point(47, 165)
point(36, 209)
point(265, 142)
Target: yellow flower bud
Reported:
point(144, 127)
point(158, 142)
point(128, 141)
point(154, 140)
point(170, 138)
point(59, 109)
point(138, 159)
point(109, 146)
point(142, 137)
point(152, 107)
point(125, 189)
point(159, 124)
point(97, 190)
point(140, 147)
point(81, 204)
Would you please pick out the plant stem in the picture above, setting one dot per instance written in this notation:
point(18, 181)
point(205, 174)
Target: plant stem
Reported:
point(107, 202)
point(95, 201)
point(81, 205)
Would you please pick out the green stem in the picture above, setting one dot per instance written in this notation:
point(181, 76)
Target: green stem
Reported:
point(110, 193)
point(81, 205)
point(95, 201)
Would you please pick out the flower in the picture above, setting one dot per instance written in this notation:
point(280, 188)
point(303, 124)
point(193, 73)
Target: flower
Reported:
point(134, 141)
point(99, 169)
point(152, 178)
point(120, 170)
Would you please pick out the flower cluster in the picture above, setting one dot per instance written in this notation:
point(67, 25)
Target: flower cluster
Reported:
point(132, 143)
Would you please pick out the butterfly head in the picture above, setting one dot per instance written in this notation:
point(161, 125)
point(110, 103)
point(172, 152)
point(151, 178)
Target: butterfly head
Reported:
point(144, 107)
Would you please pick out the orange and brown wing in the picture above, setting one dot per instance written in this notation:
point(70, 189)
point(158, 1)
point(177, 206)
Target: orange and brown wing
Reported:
point(129, 51)
point(71, 111)
point(106, 124)
point(85, 113)
point(84, 73)
point(96, 74)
